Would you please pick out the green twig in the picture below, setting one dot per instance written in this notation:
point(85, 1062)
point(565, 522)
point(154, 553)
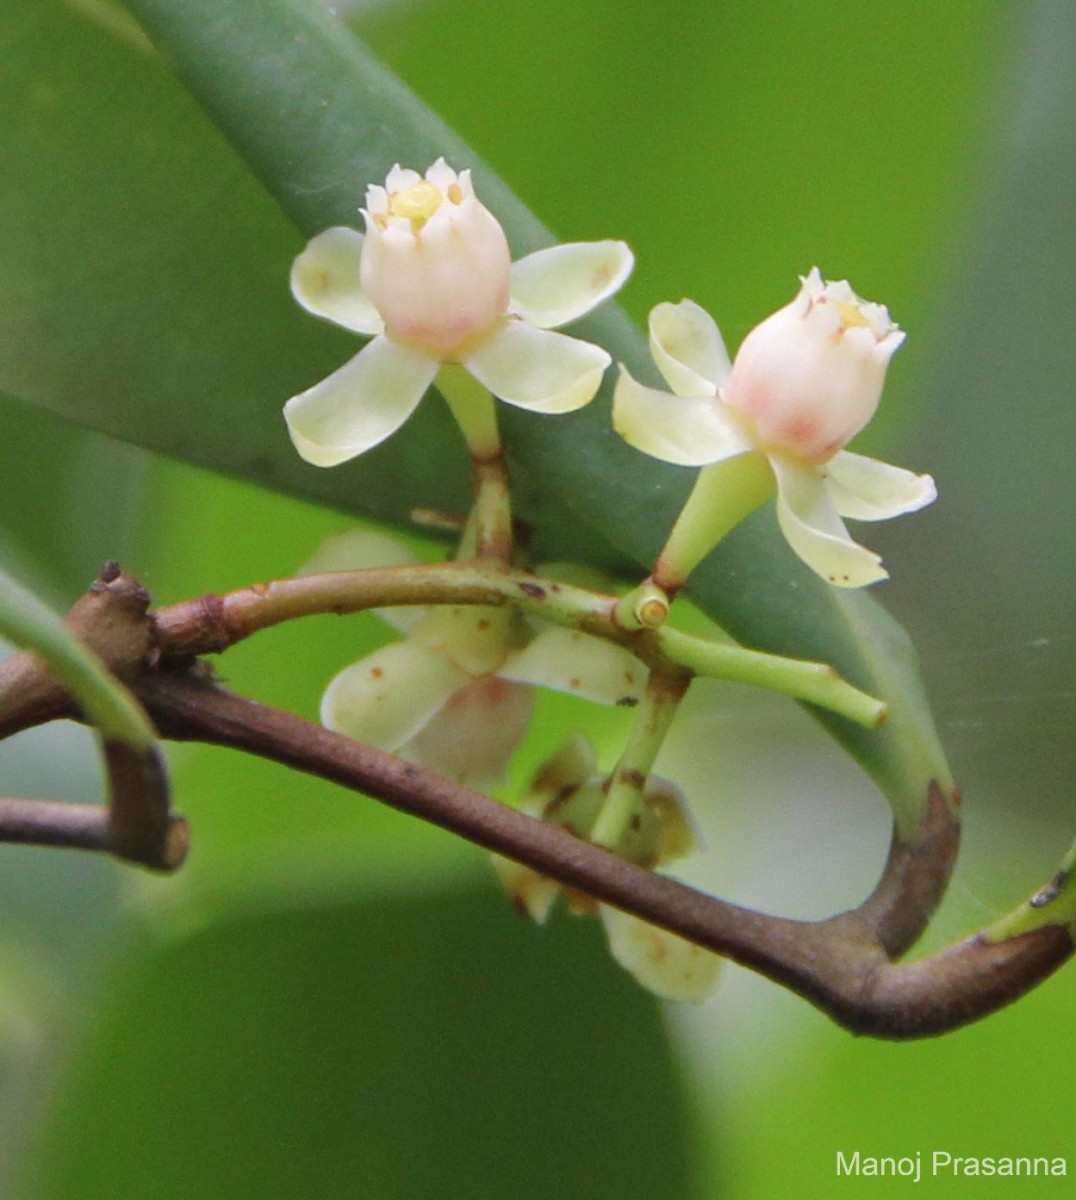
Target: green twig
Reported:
point(210, 624)
point(653, 718)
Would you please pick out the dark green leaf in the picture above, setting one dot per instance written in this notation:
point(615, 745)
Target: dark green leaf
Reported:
point(378, 1049)
point(154, 308)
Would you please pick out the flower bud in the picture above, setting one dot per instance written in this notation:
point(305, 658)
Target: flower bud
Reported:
point(810, 376)
point(435, 261)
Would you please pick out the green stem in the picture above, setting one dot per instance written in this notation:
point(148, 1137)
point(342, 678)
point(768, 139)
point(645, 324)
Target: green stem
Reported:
point(659, 705)
point(475, 412)
point(724, 493)
point(1055, 904)
point(211, 624)
point(812, 682)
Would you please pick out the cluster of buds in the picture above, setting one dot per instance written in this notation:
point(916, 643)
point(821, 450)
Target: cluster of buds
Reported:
point(432, 284)
point(569, 793)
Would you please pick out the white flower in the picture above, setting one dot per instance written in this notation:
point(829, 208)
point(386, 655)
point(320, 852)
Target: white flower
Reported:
point(567, 792)
point(455, 694)
point(432, 281)
point(805, 381)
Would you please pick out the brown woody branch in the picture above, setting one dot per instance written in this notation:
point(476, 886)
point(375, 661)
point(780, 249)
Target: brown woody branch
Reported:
point(137, 825)
point(844, 965)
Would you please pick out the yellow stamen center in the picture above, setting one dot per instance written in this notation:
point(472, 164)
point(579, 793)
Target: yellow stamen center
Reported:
point(417, 203)
point(851, 315)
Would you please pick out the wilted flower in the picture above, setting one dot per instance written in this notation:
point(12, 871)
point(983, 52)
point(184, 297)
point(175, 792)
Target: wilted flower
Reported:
point(804, 382)
point(455, 694)
point(569, 793)
point(432, 281)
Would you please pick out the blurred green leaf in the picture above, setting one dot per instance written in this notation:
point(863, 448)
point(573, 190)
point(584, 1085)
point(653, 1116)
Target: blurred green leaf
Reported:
point(1000, 1088)
point(375, 1049)
point(71, 500)
point(160, 250)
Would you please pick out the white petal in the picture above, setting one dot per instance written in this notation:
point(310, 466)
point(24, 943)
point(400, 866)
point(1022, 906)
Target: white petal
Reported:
point(476, 638)
point(356, 549)
point(537, 369)
point(552, 287)
point(473, 737)
point(531, 893)
point(688, 348)
point(387, 698)
point(690, 431)
point(665, 964)
point(325, 281)
point(869, 490)
point(572, 662)
point(678, 837)
point(813, 527)
point(574, 763)
point(359, 405)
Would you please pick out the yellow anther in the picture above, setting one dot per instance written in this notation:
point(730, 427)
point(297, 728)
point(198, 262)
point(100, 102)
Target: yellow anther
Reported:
point(851, 314)
point(417, 203)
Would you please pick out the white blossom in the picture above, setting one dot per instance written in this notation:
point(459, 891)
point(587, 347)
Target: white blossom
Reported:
point(432, 283)
point(455, 693)
point(804, 382)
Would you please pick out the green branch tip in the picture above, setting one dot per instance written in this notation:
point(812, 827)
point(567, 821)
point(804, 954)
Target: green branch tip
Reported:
point(1054, 904)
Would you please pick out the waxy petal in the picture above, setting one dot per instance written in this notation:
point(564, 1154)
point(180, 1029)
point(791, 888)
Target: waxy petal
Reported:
point(678, 835)
point(691, 431)
point(568, 661)
point(325, 281)
point(389, 696)
point(688, 348)
point(574, 763)
point(359, 405)
point(477, 639)
point(554, 286)
point(473, 737)
point(813, 527)
point(667, 965)
point(532, 894)
point(868, 490)
point(357, 549)
point(537, 369)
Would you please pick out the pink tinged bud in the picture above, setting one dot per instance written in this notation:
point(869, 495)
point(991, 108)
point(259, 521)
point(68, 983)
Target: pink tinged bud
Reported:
point(435, 261)
point(810, 376)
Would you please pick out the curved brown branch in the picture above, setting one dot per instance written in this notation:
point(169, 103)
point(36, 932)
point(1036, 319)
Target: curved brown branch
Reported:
point(112, 618)
point(136, 825)
point(841, 965)
point(916, 875)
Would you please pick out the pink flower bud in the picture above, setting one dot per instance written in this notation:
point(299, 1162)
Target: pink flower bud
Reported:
point(435, 262)
point(810, 376)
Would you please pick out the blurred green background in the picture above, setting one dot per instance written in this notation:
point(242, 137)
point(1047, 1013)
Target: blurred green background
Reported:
point(332, 1000)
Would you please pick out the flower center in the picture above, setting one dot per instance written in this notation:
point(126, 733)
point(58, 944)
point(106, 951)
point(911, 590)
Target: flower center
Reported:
point(416, 203)
point(851, 314)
